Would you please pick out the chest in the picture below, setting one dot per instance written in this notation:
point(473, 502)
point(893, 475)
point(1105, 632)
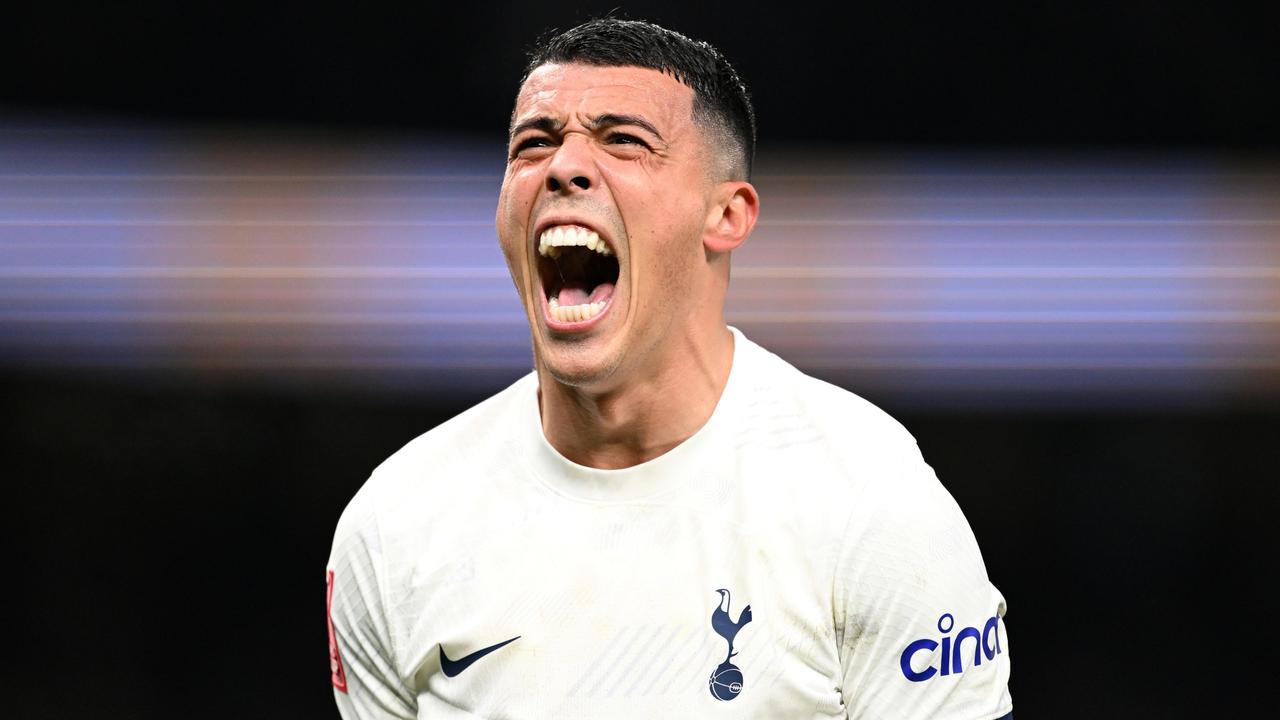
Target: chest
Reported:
point(630, 611)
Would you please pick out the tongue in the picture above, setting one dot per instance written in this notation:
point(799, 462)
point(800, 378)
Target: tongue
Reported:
point(602, 292)
point(579, 296)
point(571, 296)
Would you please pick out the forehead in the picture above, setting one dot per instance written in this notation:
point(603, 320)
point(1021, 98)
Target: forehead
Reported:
point(560, 90)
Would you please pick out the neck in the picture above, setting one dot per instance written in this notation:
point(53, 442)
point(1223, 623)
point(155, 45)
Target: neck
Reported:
point(653, 411)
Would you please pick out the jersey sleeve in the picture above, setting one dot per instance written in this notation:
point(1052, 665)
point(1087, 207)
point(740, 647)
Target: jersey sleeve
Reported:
point(366, 682)
point(920, 627)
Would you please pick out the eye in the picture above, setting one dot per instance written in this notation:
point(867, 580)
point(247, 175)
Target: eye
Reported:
point(529, 143)
point(626, 139)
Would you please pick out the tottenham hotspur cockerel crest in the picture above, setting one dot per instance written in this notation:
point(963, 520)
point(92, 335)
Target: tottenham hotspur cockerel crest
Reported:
point(726, 681)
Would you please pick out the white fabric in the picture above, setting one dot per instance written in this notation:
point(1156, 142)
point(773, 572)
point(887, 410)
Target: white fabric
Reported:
point(801, 499)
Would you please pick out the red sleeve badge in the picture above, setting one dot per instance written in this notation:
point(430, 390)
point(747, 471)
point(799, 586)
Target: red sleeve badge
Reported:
point(336, 673)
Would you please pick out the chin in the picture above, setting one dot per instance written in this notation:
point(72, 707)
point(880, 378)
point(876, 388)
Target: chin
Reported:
point(580, 367)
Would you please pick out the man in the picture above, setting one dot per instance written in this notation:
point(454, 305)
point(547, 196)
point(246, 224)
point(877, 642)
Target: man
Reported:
point(663, 520)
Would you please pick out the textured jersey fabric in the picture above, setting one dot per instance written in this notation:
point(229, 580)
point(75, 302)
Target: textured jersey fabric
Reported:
point(794, 558)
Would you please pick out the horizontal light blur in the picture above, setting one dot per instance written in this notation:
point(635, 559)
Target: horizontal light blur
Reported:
point(1038, 280)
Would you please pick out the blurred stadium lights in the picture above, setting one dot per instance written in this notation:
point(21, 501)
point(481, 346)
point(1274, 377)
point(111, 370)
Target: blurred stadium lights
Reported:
point(963, 280)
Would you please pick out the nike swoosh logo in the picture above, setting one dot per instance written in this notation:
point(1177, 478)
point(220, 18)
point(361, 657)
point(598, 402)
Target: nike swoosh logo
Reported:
point(452, 668)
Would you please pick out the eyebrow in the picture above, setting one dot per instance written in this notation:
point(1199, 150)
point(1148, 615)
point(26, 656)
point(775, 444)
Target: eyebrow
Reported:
point(543, 123)
point(600, 122)
point(609, 120)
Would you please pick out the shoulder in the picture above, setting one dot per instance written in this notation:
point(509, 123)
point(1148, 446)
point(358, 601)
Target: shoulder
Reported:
point(857, 472)
point(457, 445)
point(863, 462)
point(439, 468)
point(463, 436)
point(843, 431)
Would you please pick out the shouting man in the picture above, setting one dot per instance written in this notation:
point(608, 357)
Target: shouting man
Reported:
point(662, 520)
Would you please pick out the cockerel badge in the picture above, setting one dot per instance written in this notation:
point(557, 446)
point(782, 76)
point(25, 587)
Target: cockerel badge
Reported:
point(726, 681)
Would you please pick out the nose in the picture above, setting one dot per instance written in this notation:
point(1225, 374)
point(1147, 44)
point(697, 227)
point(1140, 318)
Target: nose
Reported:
point(572, 170)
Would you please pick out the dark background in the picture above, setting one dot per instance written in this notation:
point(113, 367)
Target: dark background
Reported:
point(1146, 73)
point(167, 533)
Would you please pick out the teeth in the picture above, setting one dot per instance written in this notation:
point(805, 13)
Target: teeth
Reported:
point(570, 236)
point(574, 313)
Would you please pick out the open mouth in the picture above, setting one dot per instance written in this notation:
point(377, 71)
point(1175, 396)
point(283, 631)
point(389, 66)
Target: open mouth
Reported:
point(578, 270)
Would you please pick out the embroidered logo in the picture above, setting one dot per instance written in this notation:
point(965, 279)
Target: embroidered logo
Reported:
point(452, 668)
point(726, 680)
point(337, 675)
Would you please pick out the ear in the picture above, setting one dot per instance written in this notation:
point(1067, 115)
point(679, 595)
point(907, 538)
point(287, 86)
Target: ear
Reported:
point(731, 217)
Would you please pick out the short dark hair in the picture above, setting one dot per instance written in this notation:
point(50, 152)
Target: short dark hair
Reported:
point(720, 99)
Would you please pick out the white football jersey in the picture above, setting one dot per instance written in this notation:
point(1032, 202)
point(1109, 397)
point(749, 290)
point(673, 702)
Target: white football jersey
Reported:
point(794, 558)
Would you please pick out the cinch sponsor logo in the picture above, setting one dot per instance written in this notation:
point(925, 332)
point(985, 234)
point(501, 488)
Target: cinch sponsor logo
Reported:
point(985, 643)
